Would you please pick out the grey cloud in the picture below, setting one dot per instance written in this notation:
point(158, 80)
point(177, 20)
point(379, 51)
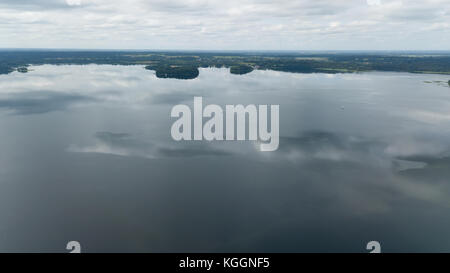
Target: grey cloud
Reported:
point(195, 151)
point(248, 24)
point(419, 14)
point(194, 7)
point(424, 161)
point(123, 144)
point(317, 8)
point(40, 102)
point(320, 145)
point(434, 168)
point(120, 140)
point(119, 144)
point(172, 98)
point(37, 4)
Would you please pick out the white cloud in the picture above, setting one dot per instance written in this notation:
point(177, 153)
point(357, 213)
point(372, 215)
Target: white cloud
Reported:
point(232, 24)
point(73, 2)
point(373, 2)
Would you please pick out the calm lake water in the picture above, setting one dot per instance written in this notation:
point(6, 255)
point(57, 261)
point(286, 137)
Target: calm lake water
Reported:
point(86, 155)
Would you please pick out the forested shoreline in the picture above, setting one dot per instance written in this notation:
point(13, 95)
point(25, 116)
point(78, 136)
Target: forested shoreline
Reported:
point(185, 65)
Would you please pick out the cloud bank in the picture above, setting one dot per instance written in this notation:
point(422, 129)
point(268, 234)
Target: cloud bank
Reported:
point(226, 25)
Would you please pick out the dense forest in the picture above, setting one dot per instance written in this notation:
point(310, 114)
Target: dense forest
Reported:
point(184, 65)
point(184, 72)
point(241, 69)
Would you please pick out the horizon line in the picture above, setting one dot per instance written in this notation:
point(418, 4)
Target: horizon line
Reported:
point(226, 50)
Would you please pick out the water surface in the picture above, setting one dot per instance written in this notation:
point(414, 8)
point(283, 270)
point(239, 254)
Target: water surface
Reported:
point(86, 155)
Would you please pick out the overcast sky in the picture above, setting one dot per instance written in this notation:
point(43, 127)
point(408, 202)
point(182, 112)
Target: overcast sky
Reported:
point(226, 24)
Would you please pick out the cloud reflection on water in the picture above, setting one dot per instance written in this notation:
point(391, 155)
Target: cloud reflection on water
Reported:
point(88, 156)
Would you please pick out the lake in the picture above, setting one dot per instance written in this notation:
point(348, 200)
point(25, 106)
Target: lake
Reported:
point(86, 154)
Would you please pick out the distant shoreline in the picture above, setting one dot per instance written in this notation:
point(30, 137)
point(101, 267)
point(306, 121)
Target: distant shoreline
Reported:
point(185, 64)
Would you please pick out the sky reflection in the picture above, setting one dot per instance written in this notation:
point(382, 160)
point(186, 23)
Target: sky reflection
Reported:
point(87, 155)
